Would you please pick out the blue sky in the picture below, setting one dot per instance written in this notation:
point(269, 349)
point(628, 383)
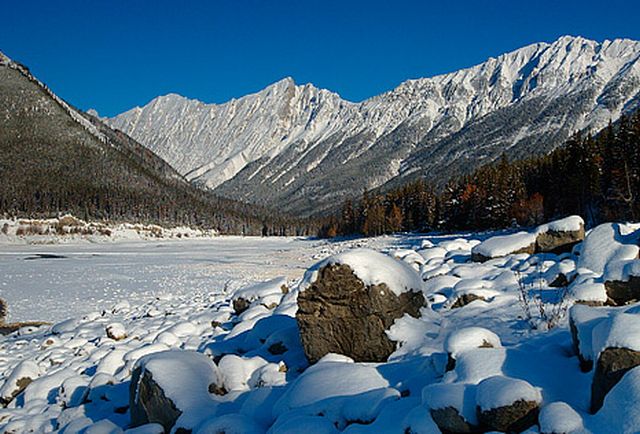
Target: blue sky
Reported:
point(113, 55)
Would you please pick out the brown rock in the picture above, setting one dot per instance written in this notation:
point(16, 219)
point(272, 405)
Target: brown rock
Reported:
point(240, 305)
point(451, 422)
point(465, 299)
point(148, 404)
point(612, 364)
point(3, 311)
point(478, 257)
point(516, 417)
point(21, 384)
point(558, 241)
point(621, 293)
point(586, 364)
point(339, 314)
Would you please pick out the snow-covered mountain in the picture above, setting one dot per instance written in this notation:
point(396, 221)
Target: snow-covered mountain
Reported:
point(305, 149)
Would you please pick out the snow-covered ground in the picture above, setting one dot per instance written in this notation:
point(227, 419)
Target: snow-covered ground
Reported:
point(52, 282)
point(168, 308)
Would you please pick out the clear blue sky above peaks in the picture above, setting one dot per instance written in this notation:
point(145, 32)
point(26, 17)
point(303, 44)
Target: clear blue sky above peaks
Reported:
point(113, 55)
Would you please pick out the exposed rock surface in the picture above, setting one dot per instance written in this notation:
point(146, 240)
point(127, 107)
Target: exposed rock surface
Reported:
point(555, 241)
point(148, 403)
point(449, 420)
point(339, 314)
point(516, 417)
point(620, 293)
point(612, 364)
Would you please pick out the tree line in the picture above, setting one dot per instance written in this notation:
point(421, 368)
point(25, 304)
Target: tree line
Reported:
point(597, 177)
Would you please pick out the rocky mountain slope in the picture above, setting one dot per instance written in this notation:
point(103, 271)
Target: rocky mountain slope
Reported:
point(55, 159)
point(305, 149)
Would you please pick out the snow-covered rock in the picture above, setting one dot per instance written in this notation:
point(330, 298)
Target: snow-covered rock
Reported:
point(507, 404)
point(172, 388)
point(348, 302)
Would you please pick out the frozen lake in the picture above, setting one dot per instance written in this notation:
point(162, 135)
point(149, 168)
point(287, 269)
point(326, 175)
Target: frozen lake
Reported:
point(58, 281)
point(54, 282)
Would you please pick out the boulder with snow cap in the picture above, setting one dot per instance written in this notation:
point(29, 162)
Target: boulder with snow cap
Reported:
point(347, 303)
point(507, 404)
point(468, 338)
point(622, 282)
point(503, 245)
point(560, 236)
point(171, 388)
point(559, 418)
point(452, 407)
point(616, 342)
point(21, 376)
point(582, 320)
point(116, 331)
point(268, 293)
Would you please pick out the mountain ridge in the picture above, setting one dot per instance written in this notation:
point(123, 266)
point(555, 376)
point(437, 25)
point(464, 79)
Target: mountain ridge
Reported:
point(272, 147)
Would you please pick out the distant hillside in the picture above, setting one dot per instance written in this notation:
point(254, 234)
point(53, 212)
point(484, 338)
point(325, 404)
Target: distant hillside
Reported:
point(55, 159)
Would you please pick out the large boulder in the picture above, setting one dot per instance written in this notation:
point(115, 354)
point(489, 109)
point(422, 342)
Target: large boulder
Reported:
point(171, 388)
point(582, 320)
point(612, 364)
point(503, 245)
point(452, 407)
point(622, 282)
point(560, 236)
point(617, 346)
point(466, 339)
point(3, 311)
point(557, 237)
point(348, 302)
point(507, 404)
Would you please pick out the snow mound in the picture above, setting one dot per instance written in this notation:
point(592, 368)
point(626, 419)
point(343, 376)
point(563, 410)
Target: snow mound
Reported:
point(559, 417)
point(568, 224)
point(372, 268)
point(468, 338)
point(184, 377)
point(607, 244)
point(499, 391)
point(503, 245)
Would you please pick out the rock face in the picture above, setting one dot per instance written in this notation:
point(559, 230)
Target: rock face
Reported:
point(516, 417)
point(3, 311)
point(555, 241)
point(465, 299)
point(586, 364)
point(172, 388)
point(480, 257)
point(338, 313)
point(612, 364)
point(620, 293)
point(148, 403)
point(449, 420)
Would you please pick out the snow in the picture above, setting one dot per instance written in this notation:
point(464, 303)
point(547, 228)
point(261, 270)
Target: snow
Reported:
point(568, 224)
point(618, 331)
point(607, 244)
point(503, 245)
point(559, 417)
point(327, 379)
point(188, 331)
point(498, 391)
point(469, 338)
point(372, 268)
point(620, 411)
point(460, 396)
point(184, 377)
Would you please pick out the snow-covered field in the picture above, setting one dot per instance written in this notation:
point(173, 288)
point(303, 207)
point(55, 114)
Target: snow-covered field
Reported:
point(52, 282)
point(169, 308)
